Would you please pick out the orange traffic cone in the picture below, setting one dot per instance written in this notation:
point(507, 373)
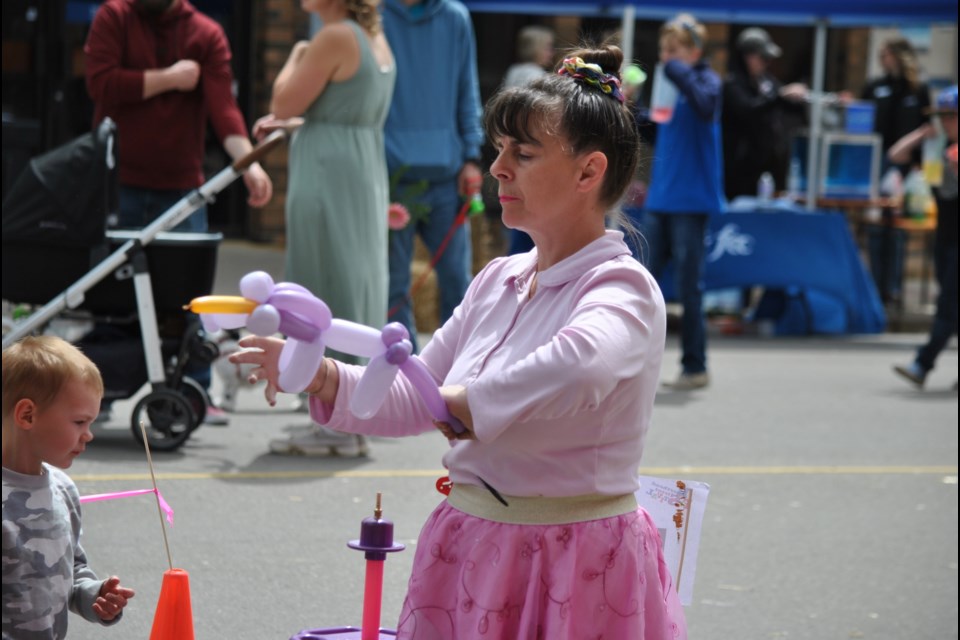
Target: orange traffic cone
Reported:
point(174, 617)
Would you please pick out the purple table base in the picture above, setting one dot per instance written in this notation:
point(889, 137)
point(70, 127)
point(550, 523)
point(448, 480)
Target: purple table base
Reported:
point(339, 633)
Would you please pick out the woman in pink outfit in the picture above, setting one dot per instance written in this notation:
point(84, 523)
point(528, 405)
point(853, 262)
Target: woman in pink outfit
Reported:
point(551, 362)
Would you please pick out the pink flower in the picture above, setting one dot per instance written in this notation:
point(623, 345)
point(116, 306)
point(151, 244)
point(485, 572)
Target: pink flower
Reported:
point(397, 216)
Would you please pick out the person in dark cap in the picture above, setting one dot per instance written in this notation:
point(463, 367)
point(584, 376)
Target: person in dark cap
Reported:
point(900, 96)
point(758, 40)
point(753, 105)
point(901, 100)
point(945, 246)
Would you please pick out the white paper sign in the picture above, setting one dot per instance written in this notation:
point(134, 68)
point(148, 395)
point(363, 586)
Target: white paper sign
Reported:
point(677, 508)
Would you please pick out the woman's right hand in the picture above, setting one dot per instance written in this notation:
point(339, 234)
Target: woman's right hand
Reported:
point(264, 354)
point(795, 92)
point(263, 126)
point(269, 123)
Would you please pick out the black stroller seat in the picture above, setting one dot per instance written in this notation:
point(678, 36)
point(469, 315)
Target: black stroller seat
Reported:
point(55, 238)
point(56, 251)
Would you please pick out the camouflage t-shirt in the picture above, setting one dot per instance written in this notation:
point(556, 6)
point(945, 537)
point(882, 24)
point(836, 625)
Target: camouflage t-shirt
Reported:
point(44, 567)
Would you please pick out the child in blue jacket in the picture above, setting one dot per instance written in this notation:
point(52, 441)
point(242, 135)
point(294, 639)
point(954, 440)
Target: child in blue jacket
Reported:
point(686, 185)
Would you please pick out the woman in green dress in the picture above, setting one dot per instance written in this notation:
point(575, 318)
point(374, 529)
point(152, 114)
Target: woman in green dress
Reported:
point(334, 93)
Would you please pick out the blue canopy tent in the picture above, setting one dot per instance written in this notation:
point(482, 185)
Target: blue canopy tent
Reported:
point(842, 13)
point(817, 13)
point(849, 304)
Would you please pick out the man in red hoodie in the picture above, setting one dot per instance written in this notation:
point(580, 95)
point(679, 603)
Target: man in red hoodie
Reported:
point(160, 69)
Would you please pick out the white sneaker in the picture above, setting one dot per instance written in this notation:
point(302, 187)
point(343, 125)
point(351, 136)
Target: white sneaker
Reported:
point(228, 399)
point(216, 417)
point(301, 404)
point(689, 381)
point(319, 441)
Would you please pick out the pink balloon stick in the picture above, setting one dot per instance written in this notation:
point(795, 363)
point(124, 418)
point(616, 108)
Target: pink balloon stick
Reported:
point(372, 594)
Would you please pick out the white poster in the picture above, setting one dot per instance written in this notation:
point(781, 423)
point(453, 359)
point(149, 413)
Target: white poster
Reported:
point(677, 508)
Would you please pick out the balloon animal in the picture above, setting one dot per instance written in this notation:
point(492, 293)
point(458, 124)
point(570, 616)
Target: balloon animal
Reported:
point(266, 308)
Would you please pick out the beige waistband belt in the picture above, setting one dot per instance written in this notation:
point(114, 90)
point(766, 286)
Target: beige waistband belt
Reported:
point(479, 502)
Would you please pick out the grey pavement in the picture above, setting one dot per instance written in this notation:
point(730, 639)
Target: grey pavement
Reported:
point(832, 512)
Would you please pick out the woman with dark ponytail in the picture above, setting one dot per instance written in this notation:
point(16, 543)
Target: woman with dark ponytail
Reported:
point(551, 364)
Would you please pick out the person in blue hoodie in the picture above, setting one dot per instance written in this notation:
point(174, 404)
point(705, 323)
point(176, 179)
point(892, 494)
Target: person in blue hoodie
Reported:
point(686, 185)
point(433, 134)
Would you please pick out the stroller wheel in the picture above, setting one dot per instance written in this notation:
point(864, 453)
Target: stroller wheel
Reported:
point(167, 418)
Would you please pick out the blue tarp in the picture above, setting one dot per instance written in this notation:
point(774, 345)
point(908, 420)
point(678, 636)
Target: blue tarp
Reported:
point(784, 12)
point(810, 261)
point(811, 256)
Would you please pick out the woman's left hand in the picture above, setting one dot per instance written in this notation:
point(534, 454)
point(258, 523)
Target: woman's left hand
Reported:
point(455, 396)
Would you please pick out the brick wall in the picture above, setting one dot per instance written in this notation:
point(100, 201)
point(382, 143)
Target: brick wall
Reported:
point(278, 24)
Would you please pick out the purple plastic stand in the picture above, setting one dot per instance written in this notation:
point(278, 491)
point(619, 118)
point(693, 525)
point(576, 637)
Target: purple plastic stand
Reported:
point(376, 541)
point(376, 537)
point(338, 633)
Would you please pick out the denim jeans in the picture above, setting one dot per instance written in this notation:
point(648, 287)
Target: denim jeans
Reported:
point(139, 207)
point(680, 237)
point(520, 242)
point(885, 247)
point(453, 267)
point(945, 319)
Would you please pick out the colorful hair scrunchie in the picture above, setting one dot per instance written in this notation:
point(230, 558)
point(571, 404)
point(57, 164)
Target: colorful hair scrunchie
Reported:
point(593, 75)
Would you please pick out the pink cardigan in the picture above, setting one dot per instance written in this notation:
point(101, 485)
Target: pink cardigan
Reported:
point(560, 386)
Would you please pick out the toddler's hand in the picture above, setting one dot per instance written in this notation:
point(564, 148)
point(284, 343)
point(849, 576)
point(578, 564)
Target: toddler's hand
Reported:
point(113, 598)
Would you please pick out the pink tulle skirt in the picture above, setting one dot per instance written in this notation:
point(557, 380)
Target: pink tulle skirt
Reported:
point(478, 579)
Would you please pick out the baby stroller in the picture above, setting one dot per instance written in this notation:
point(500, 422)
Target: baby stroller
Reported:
point(58, 253)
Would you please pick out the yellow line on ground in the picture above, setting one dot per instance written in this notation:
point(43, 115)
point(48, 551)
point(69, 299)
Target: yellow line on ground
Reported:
point(684, 472)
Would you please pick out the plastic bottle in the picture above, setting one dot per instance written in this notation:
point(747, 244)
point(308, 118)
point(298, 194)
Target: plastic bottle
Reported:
point(476, 203)
point(891, 185)
point(933, 160)
point(916, 195)
point(794, 179)
point(891, 189)
point(664, 96)
point(765, 188)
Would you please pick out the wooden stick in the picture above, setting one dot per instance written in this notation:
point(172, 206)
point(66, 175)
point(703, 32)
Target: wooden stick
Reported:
point(156, 494)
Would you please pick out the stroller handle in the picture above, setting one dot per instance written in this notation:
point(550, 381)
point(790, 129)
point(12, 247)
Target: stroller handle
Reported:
point(259, 151)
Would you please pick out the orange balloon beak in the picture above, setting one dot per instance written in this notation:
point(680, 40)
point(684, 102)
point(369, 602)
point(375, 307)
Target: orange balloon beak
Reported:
point(222, 304)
